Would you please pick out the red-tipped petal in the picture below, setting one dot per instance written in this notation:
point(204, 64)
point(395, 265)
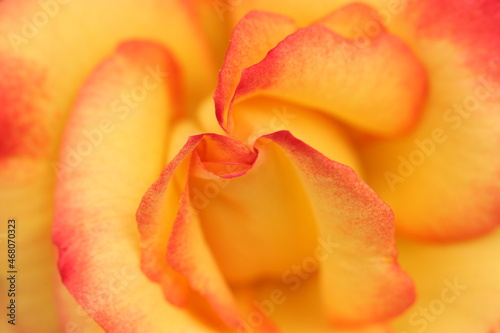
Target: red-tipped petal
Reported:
point(252, 38)
point(95, 227)
point(321, 69)
point(361, 281)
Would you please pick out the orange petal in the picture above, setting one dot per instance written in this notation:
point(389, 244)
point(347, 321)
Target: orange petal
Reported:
point(361, 281)
point(321, 69)
point(457, 286)
point(189, 254)
point(260, 116)
point(213, 27)
point(95, 227)
point(266, 206)
point(174, 245)
point(257, 224)
point(252, 38)
point(443, 179)
point(72, 317)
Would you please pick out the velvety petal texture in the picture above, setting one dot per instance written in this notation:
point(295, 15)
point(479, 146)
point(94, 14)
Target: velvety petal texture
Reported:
point(308, 214)
point(361, 225)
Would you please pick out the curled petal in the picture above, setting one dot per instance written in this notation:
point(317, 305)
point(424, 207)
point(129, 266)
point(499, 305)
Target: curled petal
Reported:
point(252, 38)
point(321, 69)
point(227, 212)
point(174, 245)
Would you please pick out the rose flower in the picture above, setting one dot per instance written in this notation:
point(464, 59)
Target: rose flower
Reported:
point(250, 166)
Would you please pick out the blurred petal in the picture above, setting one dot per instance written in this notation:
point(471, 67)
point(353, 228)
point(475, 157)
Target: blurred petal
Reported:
point(350, 21)
point(42, 66)
point(27, 199)
point(213, 27)
point(361, 281)
point(95, 227)
point(443, 179)
point(305, 12)
point(457, 286)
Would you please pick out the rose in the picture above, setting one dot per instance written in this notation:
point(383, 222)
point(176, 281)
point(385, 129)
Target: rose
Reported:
point(440, 307)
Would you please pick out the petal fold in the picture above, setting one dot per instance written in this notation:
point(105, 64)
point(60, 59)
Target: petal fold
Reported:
point(252, 38)
point(321, 69)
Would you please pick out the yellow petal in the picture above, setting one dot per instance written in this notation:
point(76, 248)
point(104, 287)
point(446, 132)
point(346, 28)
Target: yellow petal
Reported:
point(321, 69)
point(361, 281)
point(442, 180)
point(95, 227)
point(457, 285)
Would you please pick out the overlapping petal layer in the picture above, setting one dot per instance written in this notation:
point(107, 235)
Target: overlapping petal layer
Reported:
point(95, 227)
point(27, 199)
point(356, 21)
point(312, 67)
point(236, 202)
point(456, 42)
point(252, 38)
point(302, 11)
point(361, 226)
point(321, 69)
